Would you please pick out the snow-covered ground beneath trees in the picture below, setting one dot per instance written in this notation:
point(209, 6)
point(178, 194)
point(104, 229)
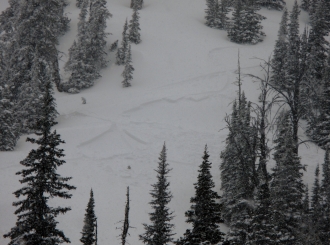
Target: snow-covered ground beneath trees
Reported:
point(181, 92)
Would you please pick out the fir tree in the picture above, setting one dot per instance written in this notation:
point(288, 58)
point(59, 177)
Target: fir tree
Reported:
point(316, 204)
point(122, 51)
point(246, 26)
point(205, 212)
point(222, 11)
point(36, 222)
point(324, 232)
point(9, 126)
point(270, 4)
point(279, 55)
point(136, 4)
point(286, 187)
point(113, 46)
point(97, 24)
point(305, 5)
point(89, 229)
point(79, 3)
point(262, 227)
point(134, 27)
point(211, 13)
point(128, 70)
point(159, 232)
point(319, 127)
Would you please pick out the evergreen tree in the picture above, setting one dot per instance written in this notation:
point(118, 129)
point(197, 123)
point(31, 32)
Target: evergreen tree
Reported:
point(205, 212)
point(9, 127)
point(79, 3)
point(122, 51)
point(134, 27)
point(89, 229)
point(246, 26)
point(262, 227)
point(286, 187)
point(238, 172)
point(222, 11)
point(36, 222)
point(136, 4)
point(97, 24)
point(128, 70)
point(319, 29)
point(305, 5)
point(270, 4)
point(159, 232)
point(211, 13)
point(290, 86)
point(316, 204)
point(325, 193)
point(113, 46)
point(36, 23)
point(87, 56)
point(280, 51)
point(319, 128)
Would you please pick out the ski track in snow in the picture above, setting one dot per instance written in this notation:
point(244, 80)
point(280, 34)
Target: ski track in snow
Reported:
point(181, 92)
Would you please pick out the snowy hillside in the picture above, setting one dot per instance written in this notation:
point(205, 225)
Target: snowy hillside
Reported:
point(180, 94)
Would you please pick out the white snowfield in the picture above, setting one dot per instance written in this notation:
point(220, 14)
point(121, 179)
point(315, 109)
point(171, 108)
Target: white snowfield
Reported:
point(182, 89)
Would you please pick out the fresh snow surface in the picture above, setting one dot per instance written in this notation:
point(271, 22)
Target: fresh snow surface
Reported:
point(181, 91)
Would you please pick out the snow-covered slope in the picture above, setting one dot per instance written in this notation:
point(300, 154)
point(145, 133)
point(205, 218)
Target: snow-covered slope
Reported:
point(182, 89)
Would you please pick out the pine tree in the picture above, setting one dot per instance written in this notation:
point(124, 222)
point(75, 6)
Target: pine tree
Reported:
point(325, 193)
point(36, 222)
point(239, 177)
point(270, 4)
point(122, 51)
point(159, 232)
point(89, 229)
point(36, 23)
point(305, 5)
point(128, 70)
point(316, 40)
point(316, 204)
point(9, 126)
point(211, 13)
point(79, 3)
point(136, 4)
point(134, 27)
point(319, 127)
point(205, 212)
point(280, 51)
point(262, 227)
point(97, 24)
point(246, 26)
point(290, 86)
point(222, 11)
point(286, 187)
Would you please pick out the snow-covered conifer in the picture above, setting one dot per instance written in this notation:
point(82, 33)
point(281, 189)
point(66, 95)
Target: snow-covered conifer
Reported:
point(9, 126)
point(280, 51)
point(324, 232)
point(287, 188)
point(89, 228)
point(205, 212)
point(246, 27)
point(97, 24)
point(160, 231)
point(113, 46)
point(134, 27)
point(262, 227)
point(128, 70)
point(36, 222)
point(122, 51)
